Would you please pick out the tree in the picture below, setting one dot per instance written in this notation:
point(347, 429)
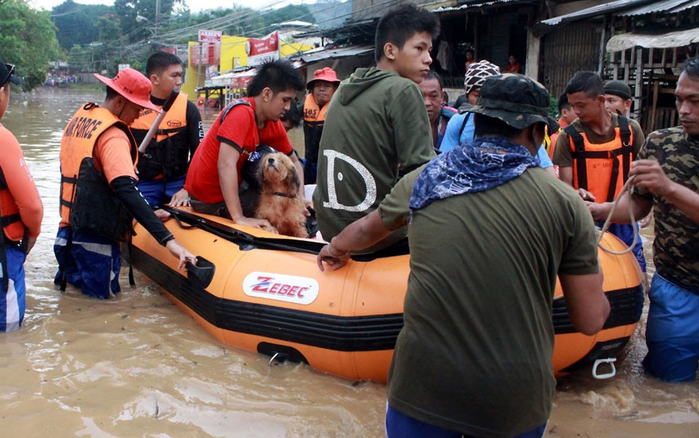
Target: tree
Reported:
point(78, 24)
point(28, 39)
point(138, 17)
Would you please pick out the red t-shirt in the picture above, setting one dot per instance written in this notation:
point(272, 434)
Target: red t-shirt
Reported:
point(238, 130)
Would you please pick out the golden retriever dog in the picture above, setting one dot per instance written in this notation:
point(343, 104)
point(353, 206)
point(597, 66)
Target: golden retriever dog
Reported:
point(279, 201)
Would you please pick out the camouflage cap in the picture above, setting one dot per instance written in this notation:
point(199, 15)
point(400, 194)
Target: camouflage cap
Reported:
point(516, 100)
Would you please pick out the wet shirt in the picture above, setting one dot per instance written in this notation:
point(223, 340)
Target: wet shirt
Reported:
point(113, 155)
point(20, 183)
point(474, 355)
point(239, 130)
point(676, 244)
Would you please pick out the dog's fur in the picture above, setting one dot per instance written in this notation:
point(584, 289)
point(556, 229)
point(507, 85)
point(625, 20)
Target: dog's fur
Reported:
point(279, 202)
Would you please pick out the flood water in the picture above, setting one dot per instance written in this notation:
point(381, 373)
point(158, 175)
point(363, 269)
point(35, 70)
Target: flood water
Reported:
point(136, 365)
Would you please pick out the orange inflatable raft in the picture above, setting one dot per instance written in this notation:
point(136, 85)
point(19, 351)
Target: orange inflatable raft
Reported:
point(267, 295)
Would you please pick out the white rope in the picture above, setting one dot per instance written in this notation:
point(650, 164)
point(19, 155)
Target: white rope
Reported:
point(628, 189)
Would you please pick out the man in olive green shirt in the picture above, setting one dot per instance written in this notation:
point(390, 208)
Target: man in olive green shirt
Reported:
point(376, 124)
point(474, 355)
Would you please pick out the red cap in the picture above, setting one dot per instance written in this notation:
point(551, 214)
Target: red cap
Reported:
point(133, 86)
point(324, 74)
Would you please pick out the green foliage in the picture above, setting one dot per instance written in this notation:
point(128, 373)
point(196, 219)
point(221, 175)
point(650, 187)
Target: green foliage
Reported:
point(553, 107)
point(138, 18)
point(77, 23)
point(27, 39)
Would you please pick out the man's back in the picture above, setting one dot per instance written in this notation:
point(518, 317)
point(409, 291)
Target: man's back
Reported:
point(376, 125)
point(484, 267)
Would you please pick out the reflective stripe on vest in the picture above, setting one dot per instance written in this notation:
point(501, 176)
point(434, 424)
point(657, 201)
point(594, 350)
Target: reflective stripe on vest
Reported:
point(79, 140)
point(9, 213)
point(596, 167)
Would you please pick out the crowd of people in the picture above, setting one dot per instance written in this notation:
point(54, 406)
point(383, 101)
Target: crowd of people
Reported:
point(464, 190)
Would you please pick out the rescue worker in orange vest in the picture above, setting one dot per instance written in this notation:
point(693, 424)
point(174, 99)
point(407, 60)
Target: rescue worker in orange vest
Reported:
point(162, 168)
point(567, 116)
point(321, 87)
point(595, 154)
point(99, 192)
point(21, 211)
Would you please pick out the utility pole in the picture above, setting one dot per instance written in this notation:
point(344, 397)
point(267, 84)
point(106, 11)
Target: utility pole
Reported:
point(157, 16)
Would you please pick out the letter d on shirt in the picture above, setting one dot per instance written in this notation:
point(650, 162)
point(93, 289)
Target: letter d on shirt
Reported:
point(369, 181)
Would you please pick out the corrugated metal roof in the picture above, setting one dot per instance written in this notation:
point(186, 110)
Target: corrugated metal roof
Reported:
point(475, 4)
point(342, 52)
point(692, 4)
point(669, 6)
point(594, 11)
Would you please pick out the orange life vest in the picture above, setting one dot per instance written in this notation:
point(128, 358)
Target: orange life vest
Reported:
point(167, 154)
point(9, 212)
point(77, 145)
point(175, 120)
point(596, 167)
point(312, 113)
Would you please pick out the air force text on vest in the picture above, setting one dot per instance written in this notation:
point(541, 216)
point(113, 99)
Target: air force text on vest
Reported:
point(82, 127)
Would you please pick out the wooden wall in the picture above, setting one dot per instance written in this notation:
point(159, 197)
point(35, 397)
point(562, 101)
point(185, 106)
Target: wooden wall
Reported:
point(567, 50)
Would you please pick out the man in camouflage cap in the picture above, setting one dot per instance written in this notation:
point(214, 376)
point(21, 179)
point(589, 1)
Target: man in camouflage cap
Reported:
point(482, 278)
point(666, 178)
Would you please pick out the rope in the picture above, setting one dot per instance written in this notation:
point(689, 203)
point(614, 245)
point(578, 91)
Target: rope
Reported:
point(626, 188)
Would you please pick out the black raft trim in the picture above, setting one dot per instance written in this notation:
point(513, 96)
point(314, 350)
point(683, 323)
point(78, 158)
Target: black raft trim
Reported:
point(355, 333)
point(626, 306)
point(339, 333)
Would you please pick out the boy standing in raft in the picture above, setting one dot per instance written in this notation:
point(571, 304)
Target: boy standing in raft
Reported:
point(163, 167)
point(214, 178)
point(377, 125)
point(666, 181)
point(22, 212)
point(594, 153)
point(99, 191)
point(474, 355)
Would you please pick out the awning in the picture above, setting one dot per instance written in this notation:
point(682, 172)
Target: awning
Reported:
point(617, 43)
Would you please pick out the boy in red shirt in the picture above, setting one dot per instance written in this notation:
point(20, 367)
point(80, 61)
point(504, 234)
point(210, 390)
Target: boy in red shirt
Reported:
point(214, 180)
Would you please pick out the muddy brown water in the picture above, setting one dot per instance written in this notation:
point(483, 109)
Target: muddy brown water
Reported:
point(136, 365)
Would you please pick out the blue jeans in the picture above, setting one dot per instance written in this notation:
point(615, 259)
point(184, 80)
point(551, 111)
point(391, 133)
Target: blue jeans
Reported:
point(672, 332)
point(399, 425)
point(157, 191)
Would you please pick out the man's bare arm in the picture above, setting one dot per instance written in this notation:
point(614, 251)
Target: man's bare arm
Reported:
point(588, 307)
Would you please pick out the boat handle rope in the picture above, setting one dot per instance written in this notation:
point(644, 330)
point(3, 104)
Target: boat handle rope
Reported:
point(241, 238)
point(628, 189)
point(607, 375)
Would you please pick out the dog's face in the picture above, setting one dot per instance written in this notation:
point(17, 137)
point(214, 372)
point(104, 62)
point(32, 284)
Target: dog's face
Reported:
point(278, 172)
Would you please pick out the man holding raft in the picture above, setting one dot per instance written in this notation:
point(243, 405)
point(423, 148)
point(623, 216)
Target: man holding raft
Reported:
point(474, 355)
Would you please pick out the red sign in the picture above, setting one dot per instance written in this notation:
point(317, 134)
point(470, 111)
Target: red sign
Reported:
point(262, 49)
point(205, 54)
point(210, 36)
point(208, 52)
